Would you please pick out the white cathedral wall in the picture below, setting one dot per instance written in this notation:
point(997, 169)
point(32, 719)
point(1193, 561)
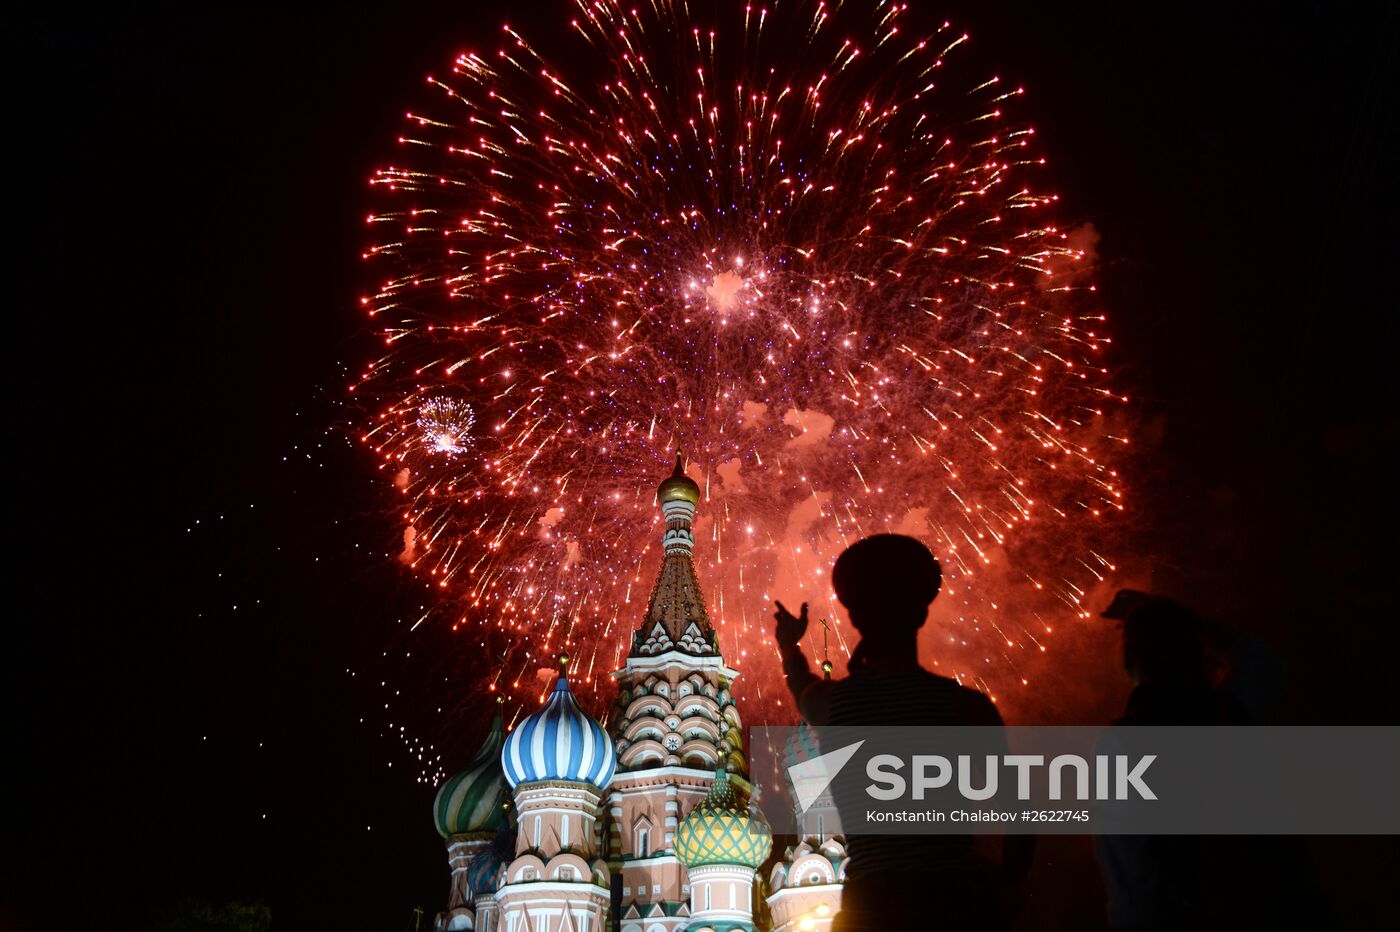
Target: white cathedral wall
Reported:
point(721, 892)
point(547, 903)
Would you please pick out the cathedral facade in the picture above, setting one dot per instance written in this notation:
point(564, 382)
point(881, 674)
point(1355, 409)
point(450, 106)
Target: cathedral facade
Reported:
point(645, 825)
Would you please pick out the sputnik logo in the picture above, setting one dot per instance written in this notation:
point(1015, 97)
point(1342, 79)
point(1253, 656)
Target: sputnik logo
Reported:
point(810, 778)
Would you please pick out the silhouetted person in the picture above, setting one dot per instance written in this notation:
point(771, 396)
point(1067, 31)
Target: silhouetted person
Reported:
point(887, 582)
point(1164, 655)
point(1155, 881)
point(1189, 670)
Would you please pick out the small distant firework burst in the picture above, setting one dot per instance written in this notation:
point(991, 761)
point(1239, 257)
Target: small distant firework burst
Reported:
point(792, 240)
point(445, 425)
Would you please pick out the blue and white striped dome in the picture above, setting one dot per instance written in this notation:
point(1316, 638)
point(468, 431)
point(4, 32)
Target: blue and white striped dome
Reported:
point(559, 742)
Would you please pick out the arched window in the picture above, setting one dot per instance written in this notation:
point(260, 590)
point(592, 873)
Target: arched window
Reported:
point(643, 841)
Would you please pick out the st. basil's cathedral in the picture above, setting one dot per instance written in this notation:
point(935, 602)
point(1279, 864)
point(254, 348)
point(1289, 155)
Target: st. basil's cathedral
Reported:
point(647, 824)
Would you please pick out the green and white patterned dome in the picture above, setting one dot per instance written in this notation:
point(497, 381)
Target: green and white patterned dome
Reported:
point(474, 801)
point(721, 830)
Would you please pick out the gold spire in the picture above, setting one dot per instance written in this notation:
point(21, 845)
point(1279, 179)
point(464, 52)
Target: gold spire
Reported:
point(678, 487)
point(676, 618)
point(826, 651)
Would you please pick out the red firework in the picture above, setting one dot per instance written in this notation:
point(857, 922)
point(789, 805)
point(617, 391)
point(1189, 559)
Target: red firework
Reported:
point(790, 241)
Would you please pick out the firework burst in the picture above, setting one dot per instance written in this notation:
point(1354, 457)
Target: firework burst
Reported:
point(793, 241)
point(445, 425)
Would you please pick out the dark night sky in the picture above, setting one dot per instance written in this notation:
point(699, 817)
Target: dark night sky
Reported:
point(198, 181)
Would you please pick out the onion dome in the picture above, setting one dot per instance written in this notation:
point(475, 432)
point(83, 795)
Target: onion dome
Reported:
point(721, 830)
point(474, 800)
point(482, 869)
point(678, 487)
point(559, 742)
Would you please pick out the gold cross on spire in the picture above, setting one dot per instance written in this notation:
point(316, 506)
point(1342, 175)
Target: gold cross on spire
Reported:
point(826, 653)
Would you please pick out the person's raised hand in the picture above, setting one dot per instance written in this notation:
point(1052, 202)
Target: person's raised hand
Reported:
point(790, 627)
